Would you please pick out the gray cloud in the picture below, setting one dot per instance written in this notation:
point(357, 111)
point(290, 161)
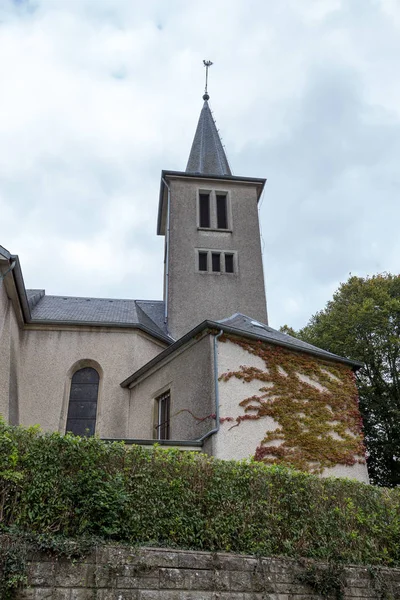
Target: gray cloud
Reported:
point(99, 96)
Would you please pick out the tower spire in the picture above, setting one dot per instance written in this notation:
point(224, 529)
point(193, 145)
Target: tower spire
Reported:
point(207, 155)
point(207, 64)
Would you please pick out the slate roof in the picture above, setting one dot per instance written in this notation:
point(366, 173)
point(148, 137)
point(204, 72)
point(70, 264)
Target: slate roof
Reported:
point(147, 314)
point(207, 155)
point(247, 325)
point(242, 325)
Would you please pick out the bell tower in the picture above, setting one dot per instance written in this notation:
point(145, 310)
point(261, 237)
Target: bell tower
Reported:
point(209, 217)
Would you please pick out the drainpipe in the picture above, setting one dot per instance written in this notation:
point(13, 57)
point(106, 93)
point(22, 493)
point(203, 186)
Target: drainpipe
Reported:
point(2, 275)
point(216, 428)
point(167, 254)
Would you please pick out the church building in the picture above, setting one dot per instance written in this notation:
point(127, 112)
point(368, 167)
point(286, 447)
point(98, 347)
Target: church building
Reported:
point(199, 370)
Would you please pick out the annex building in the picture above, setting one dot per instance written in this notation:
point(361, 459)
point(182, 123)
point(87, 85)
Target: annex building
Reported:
point(200, 369)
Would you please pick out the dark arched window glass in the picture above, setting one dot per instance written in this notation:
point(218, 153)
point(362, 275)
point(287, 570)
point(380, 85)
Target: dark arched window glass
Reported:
point(82, 408)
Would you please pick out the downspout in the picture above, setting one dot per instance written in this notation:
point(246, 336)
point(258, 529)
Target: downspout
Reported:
point(216, 428)
point(3, 275)
point(167, 254)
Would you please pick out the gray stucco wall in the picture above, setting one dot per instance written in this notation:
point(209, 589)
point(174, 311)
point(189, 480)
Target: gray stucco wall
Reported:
point(49, 358)
point(193, 296)
point(9, 358)
point(189, 377)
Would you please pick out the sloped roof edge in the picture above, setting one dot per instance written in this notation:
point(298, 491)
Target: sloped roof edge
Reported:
point(218, 325)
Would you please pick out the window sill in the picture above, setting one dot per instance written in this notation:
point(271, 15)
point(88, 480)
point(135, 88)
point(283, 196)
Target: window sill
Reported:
point(213, 229)
point(216, 273)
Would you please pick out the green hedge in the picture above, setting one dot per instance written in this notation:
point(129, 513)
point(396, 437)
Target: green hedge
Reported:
point(76, 487)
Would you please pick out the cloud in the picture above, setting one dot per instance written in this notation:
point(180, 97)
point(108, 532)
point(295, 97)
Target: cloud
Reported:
point(99, 96)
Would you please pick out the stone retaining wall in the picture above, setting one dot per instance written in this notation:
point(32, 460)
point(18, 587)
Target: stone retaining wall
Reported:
point(121, 573)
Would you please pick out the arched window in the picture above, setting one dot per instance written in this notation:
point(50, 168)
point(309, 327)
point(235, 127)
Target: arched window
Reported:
point(81, 419)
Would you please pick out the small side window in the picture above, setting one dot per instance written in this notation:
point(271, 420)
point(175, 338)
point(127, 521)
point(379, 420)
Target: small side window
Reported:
point(216, 262)
point(203, 261)
point(222, 213)
point(229, 268)
point(163, 416)
point(204, 209)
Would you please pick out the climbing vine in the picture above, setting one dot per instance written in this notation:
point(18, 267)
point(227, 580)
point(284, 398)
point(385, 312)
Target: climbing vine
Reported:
point(313, 402)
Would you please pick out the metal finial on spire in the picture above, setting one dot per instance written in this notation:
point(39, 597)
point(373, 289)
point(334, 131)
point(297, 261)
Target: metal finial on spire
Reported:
point(207, 64)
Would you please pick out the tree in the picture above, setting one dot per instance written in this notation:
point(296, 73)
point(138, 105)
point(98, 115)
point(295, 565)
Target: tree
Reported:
point(362, 322)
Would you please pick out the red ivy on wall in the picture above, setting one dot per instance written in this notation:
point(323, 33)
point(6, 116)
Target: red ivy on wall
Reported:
point(315, 429)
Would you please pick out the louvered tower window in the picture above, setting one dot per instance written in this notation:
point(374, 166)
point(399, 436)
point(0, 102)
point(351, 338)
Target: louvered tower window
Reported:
point(82, 409)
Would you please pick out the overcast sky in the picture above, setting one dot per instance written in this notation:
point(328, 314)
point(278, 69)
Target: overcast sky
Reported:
point(97, 96)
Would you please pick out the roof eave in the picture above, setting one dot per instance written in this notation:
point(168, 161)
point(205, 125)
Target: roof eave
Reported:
point(21, 290)
point(335, 358)
point(4, 253)
point(64, 323)
point(238, 333)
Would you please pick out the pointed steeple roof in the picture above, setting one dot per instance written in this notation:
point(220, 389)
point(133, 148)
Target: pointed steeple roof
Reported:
point(207, 155)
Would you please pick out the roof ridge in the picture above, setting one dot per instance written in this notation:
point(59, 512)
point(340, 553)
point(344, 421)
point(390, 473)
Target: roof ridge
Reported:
point(95, 298)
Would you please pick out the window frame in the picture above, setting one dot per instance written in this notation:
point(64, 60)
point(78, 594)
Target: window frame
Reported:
point(71, 401)
point(201, 195)
point(222, 254)
point(218, 196)
point(160, 427)
point(213, 212)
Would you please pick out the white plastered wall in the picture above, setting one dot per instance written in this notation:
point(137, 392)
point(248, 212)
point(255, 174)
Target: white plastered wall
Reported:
point(241, 441)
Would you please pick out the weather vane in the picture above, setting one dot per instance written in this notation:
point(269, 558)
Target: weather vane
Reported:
point(207, 64)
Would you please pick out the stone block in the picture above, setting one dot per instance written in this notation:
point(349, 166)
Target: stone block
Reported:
point(230, 596)
point(150, 595)
point(26, 594)
point(360, 592)
point(83, 594)
point(160, 558)
point(53, 594)
point(233, 563)
point(69, 574)
point(221, 581)
point(117, 555)
point(41, 574)
point(138, 569)
point(116, 595)
point(293, 588)
point(174, 595)
point(39, 594)
point(201, 580)
point(198, 595)
point(241, 581)
point(173, 578)
point(254, 596)
point(104, 576)
point(151, 583)
point(192, 560)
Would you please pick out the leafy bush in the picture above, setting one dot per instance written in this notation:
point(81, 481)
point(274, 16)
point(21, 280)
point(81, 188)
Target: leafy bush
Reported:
point(81, 487)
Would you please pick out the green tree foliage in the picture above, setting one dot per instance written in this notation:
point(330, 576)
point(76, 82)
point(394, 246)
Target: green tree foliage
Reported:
point(362, 322)
point(71, 487)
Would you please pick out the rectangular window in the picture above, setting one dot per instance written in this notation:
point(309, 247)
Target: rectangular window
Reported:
point(163, 406)
point(204, 210)
point(228, 263)
point(222, 213)
point(216, 262)
point(203, 262)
